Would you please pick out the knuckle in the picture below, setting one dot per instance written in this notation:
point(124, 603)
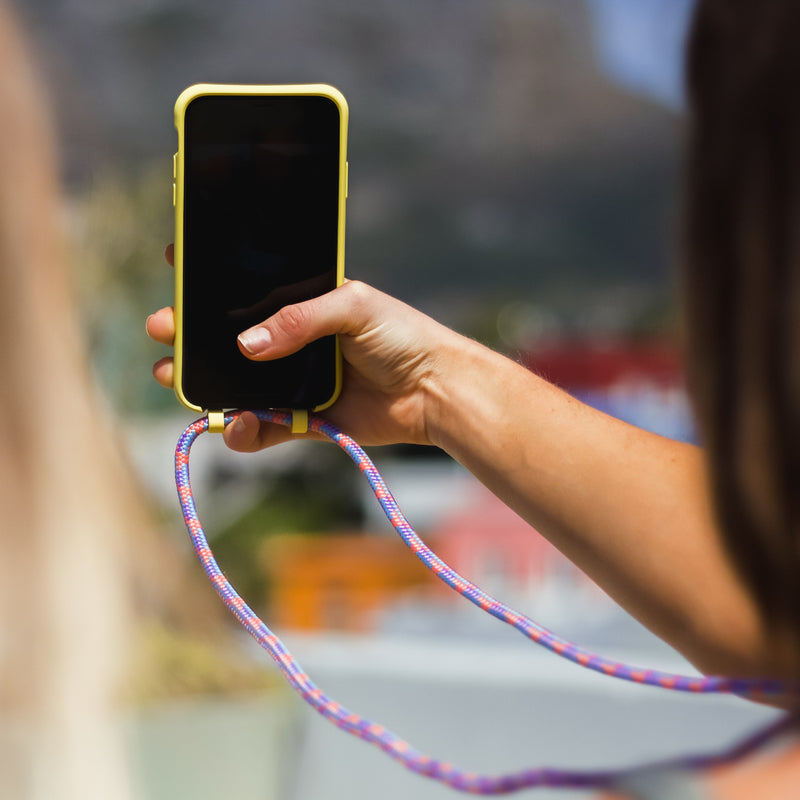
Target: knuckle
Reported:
point(358, 289)
point(358, 294)
point(293, 321)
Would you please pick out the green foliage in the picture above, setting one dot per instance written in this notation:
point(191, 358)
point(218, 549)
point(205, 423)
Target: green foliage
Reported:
point(119, 228)
point(320, 500)
point(170, 664)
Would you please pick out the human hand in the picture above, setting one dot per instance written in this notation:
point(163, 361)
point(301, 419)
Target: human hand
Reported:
point(160, 326)
point(393, 363)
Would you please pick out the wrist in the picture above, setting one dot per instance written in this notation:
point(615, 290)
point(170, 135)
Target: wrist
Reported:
point(466, 384)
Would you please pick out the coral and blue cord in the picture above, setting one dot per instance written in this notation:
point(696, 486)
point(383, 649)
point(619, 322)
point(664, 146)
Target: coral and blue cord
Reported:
point(386, 740)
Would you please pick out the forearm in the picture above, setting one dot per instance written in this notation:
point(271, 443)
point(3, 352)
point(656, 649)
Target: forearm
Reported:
point(628, 507)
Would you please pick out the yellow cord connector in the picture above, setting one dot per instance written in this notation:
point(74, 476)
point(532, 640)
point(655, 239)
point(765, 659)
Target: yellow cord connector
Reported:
point(216, 421)
point(299, 421)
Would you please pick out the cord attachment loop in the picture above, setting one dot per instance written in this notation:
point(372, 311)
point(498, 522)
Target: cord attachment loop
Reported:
point(299, 420)
point(216, 421)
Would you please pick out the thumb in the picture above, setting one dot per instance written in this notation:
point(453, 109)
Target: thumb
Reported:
point(295, 326)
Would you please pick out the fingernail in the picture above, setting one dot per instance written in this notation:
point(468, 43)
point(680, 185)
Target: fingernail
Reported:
point(255, 340)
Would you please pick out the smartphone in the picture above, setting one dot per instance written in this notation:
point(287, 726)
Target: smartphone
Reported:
point(260, 189)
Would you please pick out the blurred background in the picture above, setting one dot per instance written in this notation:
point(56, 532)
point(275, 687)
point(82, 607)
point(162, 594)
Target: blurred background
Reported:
point(514, 171)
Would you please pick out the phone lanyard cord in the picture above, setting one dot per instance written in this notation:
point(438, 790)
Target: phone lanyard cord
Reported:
point(386, 740)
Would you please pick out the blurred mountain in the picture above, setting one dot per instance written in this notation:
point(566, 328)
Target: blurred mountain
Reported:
point(490, 158)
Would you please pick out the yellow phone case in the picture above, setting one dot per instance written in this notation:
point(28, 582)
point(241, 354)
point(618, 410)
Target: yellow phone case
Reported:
point(181, 104)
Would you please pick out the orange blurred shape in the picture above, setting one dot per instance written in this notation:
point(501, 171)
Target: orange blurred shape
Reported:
point(339, 581)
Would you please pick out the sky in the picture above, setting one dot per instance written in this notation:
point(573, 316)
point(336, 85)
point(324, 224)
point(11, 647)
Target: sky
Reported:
point(640, 44)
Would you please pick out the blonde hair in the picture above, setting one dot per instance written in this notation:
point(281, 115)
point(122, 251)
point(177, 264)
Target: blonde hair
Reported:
point(69, 505)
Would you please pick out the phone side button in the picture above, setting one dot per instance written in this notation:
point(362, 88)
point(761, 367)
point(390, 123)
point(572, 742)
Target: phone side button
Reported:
point(175, 166)
point(346, 179)
point(174, 194)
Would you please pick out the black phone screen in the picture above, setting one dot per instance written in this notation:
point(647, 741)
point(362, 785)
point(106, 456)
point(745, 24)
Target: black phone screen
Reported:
point(260, 231)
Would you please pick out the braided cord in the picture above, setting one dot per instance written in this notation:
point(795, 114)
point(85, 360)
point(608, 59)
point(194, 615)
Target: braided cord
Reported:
point(386, 740)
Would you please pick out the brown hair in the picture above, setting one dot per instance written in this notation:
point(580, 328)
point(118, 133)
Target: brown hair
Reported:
point(742, 284)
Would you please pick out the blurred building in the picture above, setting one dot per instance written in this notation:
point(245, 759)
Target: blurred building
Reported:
point(487, 541)
point(601, 364)
point(640, 382)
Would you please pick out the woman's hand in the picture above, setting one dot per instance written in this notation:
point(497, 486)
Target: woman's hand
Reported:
point(160, 326)
point(394, 358)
